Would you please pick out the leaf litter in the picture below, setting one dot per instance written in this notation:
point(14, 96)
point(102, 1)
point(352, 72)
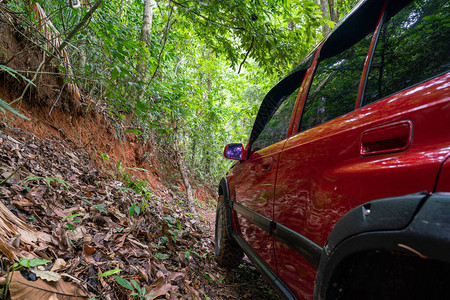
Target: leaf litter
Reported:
point(101, 238)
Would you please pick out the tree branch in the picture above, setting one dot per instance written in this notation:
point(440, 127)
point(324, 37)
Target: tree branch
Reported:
point(246, 55)
point(80, 25)
point(164, 45)
point(208, 19)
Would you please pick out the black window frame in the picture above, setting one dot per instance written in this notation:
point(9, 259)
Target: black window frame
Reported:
point(360, 22)
point(276, 96)
point(393, 7)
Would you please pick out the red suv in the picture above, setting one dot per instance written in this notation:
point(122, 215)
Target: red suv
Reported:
point(343, 190)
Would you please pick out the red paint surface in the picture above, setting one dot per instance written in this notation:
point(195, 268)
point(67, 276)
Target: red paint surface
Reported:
point(322, 176)
point(443, 184)
point(392, 147)
point(252, 185)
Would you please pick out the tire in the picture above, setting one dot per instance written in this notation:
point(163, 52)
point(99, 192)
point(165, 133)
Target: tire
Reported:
point(227, 251)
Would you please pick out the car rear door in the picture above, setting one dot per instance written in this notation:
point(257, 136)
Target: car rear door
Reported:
point(307, 193)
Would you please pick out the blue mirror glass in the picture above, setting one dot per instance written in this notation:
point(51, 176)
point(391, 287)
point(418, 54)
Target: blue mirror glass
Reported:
point(234, 151)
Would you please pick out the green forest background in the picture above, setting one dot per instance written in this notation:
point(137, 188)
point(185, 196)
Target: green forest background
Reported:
point(188, 74)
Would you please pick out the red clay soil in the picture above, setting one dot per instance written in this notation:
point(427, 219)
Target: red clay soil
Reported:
point(82, 122)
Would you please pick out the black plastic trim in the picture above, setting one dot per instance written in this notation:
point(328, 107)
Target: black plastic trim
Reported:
point(259, 220)
point(383, 214)
point(305, 247)
point(356, 24)
point(296, 241)
point(426, 234)
point(277, 284)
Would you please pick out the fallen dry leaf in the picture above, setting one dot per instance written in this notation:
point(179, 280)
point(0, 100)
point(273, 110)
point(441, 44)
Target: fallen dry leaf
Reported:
point(11, 226)
point(47, 275)
point(110, 238)
point(5, 249)
point(158, 288)
point(21, 288)
point(58, 265)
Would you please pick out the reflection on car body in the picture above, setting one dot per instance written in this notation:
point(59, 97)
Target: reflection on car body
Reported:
point(347, 157)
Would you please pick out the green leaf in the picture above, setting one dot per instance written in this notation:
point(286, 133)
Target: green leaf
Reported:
point(87, 201)
point(134, 209)
point(33, 178)
point(110, 272)
point(64, 183)
point(141, 106)
point(101, 207)
point(115, 73)
point(15, 266)
point(123, 282)
point(33, 262)
point(207, 277)
point(72, 216)
point(196, 253)
point(13, 110)
point(136, 132)
point(173, 232)
point(14, 74)
point(168, 220)
point(136, 285)
point(161, 256)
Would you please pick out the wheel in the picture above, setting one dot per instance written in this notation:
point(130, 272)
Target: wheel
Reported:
point(227, 251)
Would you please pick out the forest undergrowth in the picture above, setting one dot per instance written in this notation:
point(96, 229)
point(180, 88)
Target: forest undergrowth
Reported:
point(76, 231)
point(88, 211)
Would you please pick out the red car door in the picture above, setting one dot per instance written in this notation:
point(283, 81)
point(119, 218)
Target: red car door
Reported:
point(252, 181)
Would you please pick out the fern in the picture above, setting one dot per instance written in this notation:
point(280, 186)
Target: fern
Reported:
point(15, 74)
point(13, 110)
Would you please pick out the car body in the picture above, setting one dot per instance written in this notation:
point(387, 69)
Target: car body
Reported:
point(347, 167)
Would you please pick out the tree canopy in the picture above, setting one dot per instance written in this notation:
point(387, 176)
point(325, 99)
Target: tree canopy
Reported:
point(191, 73)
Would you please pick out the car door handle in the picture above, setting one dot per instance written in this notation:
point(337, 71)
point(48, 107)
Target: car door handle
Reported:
point(267, 164)
point(388, 138)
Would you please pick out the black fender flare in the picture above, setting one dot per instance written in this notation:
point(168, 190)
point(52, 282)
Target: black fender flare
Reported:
point(417, 223)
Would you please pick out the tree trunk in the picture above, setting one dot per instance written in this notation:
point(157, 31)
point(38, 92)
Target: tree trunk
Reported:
point(325, 14)
point(83, 58)
point(146, 29)
point(187, 185)
point(334, 14)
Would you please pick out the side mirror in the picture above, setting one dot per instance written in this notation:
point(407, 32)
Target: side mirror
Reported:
point(234, 151)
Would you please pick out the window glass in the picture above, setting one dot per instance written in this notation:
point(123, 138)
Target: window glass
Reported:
point(334, 87)
point(412, 47)
point(276, 128)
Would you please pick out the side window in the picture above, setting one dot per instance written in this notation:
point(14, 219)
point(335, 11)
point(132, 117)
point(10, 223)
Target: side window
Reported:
point(413, 45)
point(276, 128)
point(334, 87)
